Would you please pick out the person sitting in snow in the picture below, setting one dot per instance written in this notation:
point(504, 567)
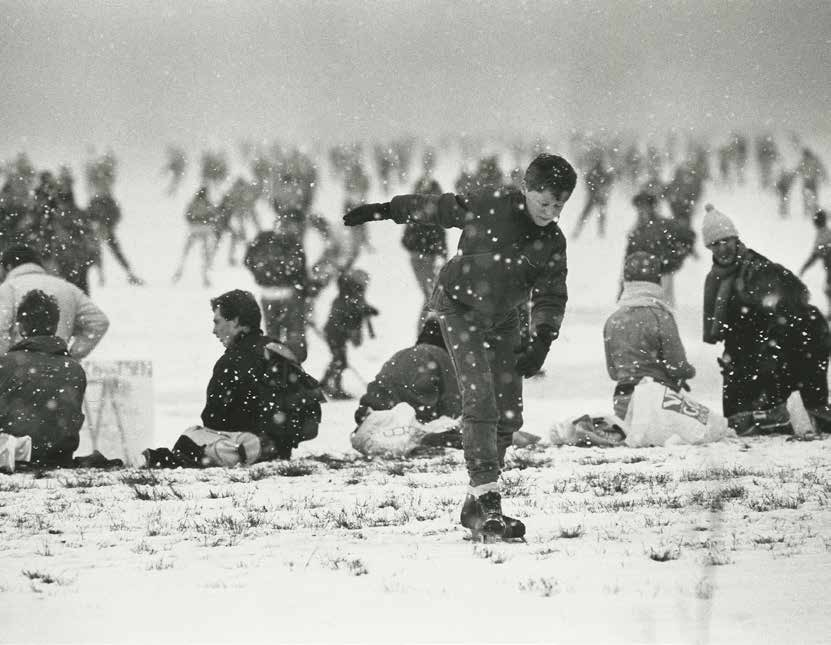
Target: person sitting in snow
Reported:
point(511, 250)
point(641, 338)
point(775, 343)
point(421, 376)
point(345, 324)
point(41, 386)
point(260, 404)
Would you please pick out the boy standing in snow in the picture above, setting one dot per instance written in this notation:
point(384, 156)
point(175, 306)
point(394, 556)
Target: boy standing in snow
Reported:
point(511, 250)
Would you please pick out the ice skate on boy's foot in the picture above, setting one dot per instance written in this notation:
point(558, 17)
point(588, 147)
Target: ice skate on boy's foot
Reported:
point(470, 518)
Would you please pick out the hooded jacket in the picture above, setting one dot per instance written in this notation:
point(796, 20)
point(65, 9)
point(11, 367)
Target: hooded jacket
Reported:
point(82, 324)
point(503, 258)
point(641, 339)
point(41, 395)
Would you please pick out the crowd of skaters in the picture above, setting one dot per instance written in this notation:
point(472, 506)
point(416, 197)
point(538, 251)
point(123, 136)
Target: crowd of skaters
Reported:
point(39, 210)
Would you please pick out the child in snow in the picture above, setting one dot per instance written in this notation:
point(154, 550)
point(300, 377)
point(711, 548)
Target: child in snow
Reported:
point(345, 324)
point(511, 249)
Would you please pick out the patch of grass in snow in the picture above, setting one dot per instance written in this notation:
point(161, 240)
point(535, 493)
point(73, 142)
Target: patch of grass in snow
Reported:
point(159, 564)
point(664, 552)
point(545, 587)
point(571, 532)
point(495, 556)
point(733, 471)
point(85, 480)
point(14, 484)
point(353, 566)
point(774, 500)
point(159, 493)
point(45, 577)
point(142, 478)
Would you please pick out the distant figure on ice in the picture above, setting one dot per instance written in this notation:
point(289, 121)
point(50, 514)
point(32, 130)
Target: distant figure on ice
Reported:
point(175, 167)
point(667, 239)
point(425, 243)
point(511, 249)
point(598, 179)
point(260, 404)
point(277, 261)
point(82, 324)
point(236, 214)
point(775, 343)
point(350, 311)
point(421, 376)
point(821, 251)
point(41, 386)
point(813, 174)
point(104, 212)
point(784, 183)
point(201, 217)
point(641, 338)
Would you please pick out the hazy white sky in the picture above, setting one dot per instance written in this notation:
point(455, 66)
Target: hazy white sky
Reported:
point(148, 72)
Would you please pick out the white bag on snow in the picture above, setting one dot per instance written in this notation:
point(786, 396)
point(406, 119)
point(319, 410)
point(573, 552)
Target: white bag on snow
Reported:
point(396, 432)
point(658, 416)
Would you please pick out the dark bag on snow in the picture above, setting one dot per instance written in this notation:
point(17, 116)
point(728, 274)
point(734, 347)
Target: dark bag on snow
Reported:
point(291, 400)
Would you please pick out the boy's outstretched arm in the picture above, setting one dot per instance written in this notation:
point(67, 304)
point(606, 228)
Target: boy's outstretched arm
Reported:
point(446, 210)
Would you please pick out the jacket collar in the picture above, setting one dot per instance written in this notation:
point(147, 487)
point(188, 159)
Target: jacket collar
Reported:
point(638, 293)
point(244, 339)
point(43, 344)
point(25, 269)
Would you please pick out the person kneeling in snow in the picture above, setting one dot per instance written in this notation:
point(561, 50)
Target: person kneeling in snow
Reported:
point(41, 387)
point(421, 376)
point(260, 403)
point(775, 342)
point(641, 338)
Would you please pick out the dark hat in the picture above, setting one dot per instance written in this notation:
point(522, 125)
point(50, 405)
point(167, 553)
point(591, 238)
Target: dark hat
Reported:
point(642, 267)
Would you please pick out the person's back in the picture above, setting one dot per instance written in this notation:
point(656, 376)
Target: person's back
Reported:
point(422, 376)
point(41, 387)
point(641, 337)
point(276, 260)
point(82, 324)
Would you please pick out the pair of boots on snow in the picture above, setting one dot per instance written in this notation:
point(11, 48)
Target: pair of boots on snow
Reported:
point(483, 516)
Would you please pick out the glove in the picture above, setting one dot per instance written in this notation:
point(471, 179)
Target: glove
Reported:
point(367, 213)
point(533, 356)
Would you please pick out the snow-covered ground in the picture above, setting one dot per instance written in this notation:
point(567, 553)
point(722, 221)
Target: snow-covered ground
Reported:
point(725, 543)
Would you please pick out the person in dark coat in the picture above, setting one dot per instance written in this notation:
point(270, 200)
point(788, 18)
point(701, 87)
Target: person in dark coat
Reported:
point(421, 375)
point(234, 396)
point(41, 387)
point(349, 312)
point(105, 215)
point(598, 181)
point(511, 250)
point(667, 239)
point(775, 343)
point(821, 251)
point(277, 261)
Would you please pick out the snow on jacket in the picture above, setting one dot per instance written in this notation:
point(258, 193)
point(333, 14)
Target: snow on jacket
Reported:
point(422, 376)
point(751, 301)
point(41, 396)
point(641, 339)
point(277, 260)
point(82, 324)
point(503, 258)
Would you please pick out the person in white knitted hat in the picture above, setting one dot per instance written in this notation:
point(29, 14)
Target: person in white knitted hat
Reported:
point(774, 341)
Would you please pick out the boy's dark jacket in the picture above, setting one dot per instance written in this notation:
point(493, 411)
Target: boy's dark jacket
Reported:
point(502, 257)
point(41, 395)
point(239, 397)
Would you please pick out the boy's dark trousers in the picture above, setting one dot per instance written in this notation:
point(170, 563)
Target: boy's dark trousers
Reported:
point(482, 348)
point(284, 319)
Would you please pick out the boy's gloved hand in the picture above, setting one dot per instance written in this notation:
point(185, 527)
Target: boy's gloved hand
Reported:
point(367, 213)
point(533, 356)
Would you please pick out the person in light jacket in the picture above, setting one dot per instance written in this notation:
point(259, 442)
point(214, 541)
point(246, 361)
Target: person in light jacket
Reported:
point(82, 324)
point(641, 338)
